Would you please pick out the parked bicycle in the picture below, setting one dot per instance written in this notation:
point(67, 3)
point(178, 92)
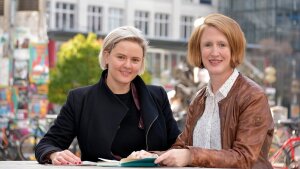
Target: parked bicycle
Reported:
point(28, 142)
point(9, 140)
point(287, 155)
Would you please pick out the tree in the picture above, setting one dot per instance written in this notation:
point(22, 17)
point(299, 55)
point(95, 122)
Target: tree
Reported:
point(77, 65)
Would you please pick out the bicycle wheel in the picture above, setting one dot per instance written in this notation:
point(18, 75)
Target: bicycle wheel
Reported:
point(27, 146)
point(278, 157)
point(12, 152)
point(2, 154)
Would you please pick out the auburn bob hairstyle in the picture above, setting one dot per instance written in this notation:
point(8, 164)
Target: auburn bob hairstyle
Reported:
point(229, 28)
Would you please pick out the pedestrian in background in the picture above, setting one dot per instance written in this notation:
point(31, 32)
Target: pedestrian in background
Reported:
point(118, 115)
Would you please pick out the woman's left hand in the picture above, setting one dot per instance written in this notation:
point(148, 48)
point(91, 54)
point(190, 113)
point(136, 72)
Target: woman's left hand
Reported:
point(175, 158)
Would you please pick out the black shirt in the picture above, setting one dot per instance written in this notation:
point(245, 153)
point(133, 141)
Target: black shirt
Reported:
point(129, 137)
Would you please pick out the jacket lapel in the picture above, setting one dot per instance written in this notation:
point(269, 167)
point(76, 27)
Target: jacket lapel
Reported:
point(148, 111)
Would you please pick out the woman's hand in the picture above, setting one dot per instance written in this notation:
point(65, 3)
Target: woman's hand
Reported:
point(141, 154)
point(65, 157)
point(175, 158)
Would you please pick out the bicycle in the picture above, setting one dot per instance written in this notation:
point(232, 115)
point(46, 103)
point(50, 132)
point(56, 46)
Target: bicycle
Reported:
point(9, 140)
point(29, 142)
point(287, 154)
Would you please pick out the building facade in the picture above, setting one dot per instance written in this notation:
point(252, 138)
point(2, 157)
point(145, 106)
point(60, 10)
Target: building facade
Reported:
point(167, 24)
point(264, 19)
point(274, 25)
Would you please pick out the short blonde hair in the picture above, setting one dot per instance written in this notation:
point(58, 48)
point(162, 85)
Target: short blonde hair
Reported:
point(119, 34)
point(229, 28)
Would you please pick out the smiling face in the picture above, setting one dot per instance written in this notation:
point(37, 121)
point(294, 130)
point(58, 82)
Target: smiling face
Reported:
point(215, 52)
point(124, 63)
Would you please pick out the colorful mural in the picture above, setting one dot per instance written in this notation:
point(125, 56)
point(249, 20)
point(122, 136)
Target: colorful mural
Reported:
point(39, 64)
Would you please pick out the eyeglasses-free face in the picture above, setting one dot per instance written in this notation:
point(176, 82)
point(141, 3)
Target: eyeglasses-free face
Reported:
point(216, 53)
point(124, 62)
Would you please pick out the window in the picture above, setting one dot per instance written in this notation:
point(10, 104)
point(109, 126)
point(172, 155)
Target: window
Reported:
point(65, 16)
point(1, 7)
point(164, 61)
point(95, 19)
point(162, 24)
point(48, 12)
point(186, 26)
point(187, 1)
point(115, 18)
point(28, 5)
point(142, 21)
point(205, 2)
point(157, 65)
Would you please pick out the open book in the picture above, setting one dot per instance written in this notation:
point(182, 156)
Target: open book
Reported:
point(127, 162)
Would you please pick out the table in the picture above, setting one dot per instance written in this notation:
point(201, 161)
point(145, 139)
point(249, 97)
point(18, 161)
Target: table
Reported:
point(35, 165)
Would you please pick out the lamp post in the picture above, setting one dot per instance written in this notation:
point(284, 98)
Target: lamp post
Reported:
point(295, 89)
point(269, 79)
point(11, 21)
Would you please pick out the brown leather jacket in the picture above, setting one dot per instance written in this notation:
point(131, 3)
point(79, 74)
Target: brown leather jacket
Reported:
point(246, 129)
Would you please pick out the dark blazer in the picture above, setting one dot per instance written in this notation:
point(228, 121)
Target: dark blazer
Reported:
point(93, 114)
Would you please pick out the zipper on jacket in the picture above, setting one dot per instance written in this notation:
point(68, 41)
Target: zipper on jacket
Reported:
point(148, 132)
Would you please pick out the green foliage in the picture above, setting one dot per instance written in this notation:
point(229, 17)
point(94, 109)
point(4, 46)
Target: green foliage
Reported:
point(146, 76)
point(77, 65)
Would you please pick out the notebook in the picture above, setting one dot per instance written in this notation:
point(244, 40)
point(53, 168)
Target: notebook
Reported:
point(127, 162)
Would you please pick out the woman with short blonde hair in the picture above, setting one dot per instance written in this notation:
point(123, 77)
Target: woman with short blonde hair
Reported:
point(123, 33)
point(116, 116)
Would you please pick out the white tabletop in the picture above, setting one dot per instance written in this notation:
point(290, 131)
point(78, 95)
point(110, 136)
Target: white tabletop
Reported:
point(35, 165)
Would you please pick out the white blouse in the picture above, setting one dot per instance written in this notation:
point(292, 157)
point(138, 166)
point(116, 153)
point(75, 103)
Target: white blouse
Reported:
point(207, 132)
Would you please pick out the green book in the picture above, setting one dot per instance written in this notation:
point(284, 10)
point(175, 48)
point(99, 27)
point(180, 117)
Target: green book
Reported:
point(125, 162)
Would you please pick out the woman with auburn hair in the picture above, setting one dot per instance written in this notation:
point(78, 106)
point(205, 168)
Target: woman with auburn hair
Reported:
point(229, 123)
